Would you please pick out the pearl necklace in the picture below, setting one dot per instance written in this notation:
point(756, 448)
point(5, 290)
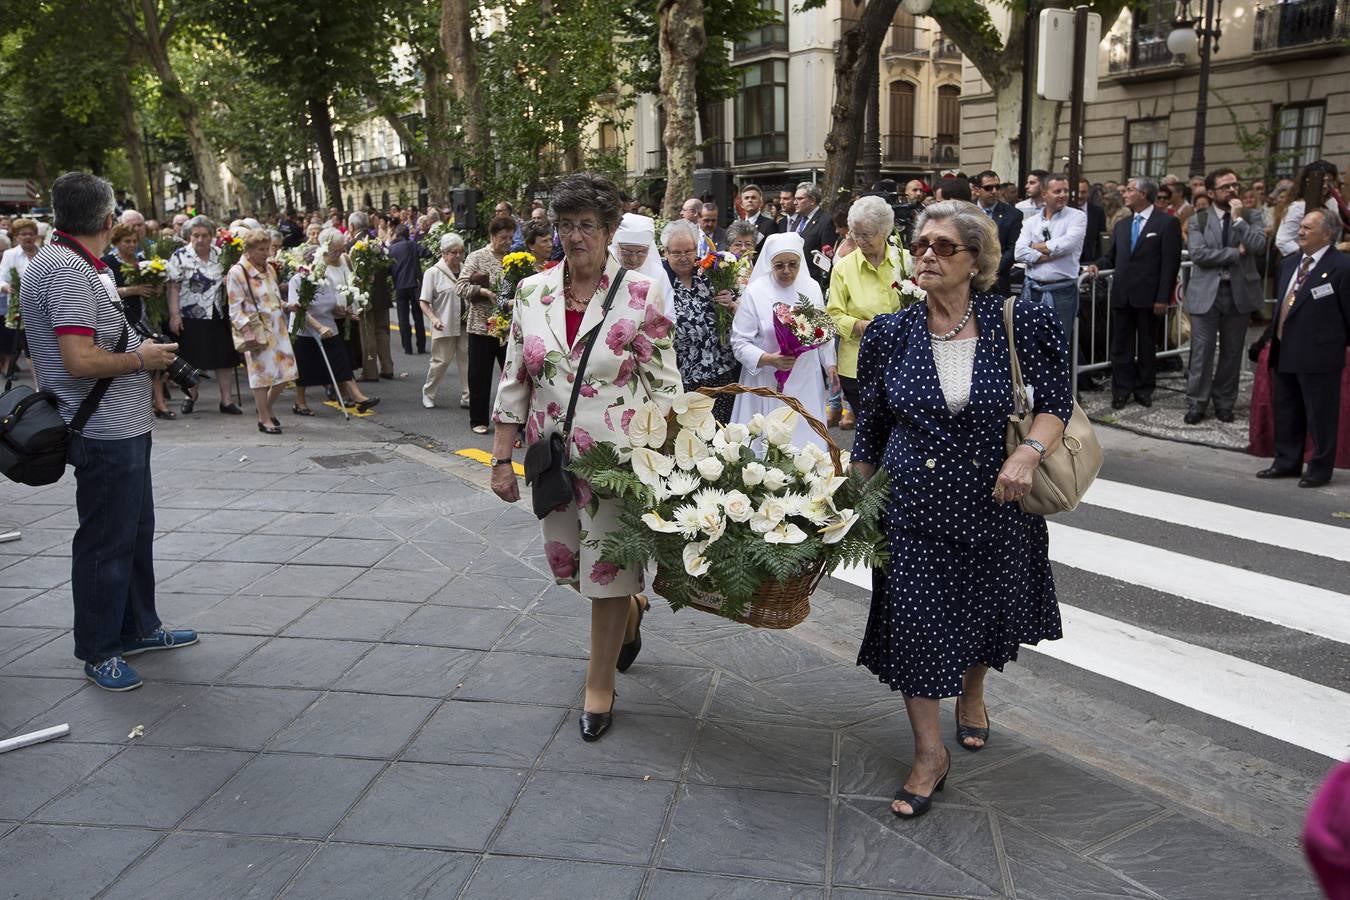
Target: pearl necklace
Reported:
point(970, 307)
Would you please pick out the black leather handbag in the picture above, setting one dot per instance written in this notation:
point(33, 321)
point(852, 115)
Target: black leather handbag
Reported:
point(546, 459)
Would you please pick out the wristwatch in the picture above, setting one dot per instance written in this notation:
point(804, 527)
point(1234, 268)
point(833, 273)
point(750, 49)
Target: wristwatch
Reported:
point(1035, 445)
point(494, 462)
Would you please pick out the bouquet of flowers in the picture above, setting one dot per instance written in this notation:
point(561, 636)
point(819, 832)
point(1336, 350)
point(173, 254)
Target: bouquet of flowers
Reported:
point(311, 276)
point(355, 301)
point(368, 260)
point(153, 272)
point(516, 267)
point(14, 315)
point(800, 328)
point(726, 273)
point(717, 518)
point(499, 324)
point(907, 290)
point(231, 251)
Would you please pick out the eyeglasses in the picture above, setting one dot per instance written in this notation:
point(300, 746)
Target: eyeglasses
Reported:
point(679, 254)
point(586, 228)
point(989, 187)
point(942, 248)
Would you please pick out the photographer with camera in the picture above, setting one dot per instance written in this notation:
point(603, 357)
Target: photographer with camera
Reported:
point(81, 344)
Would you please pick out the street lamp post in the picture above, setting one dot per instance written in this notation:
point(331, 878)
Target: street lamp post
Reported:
point(1182, 41)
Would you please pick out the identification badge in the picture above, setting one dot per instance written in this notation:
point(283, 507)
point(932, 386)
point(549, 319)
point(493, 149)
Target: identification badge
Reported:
point(1323, 290)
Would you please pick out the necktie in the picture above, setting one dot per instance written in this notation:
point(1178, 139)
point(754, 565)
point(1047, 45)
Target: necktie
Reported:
point(1227, 227)
point(1294, 288)
point(1134, 230)
point(801, 224)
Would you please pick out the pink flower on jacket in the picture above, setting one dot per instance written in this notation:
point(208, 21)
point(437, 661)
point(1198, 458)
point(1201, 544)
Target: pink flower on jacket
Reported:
point(554, 410)
point(642, 349)
point(654, 324)
point(581, 490)
point(626, 370)
point(626, 418)
point(547, 299)
point(620, 333)
point(637, 293)
point(534, 354)
point(532, 428)
point(522, 375)
point(582, 438)
point(561, 560)
point(587, 390)
point(604, 573)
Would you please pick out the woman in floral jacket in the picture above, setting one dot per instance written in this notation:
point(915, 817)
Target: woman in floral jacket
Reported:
point(632, 362)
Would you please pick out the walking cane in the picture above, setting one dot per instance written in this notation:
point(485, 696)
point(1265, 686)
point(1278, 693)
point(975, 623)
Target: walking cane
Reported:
point(333, 378)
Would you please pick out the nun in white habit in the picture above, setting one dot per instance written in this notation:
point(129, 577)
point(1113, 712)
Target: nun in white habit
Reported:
point(634, 248)
point(780, 276)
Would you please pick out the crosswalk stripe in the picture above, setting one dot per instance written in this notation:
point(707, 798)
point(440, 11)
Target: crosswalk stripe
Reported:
point(1280, 531)
point(1259, 596)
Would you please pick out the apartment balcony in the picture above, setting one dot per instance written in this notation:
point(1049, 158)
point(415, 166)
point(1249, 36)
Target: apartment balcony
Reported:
point(1302, 24)
point(771, 38)
point(945, 50)
point(714, 155)
point(762, 148)
point(1140, 51)
point(656, 160)
point(906, 150)
point(365, 168)
point(906, 40)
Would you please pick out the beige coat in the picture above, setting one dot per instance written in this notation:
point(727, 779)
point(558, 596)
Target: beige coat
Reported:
point(440, 291)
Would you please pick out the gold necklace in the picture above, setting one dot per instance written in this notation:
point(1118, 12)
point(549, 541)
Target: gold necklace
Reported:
point(569, 294)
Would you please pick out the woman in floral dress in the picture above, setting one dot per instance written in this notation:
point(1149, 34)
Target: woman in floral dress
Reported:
point(259, 319)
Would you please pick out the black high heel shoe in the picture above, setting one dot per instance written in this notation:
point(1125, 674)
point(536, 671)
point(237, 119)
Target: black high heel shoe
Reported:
point(918, 803)
point(594, 725)
point(629, 651)
point(969, 731)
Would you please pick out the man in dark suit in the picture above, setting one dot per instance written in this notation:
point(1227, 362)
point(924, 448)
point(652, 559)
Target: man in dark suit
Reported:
point(1312, 330)
point(752, 200)
point(1096, 223)
point(711, 237)
point(813, 225)
point(1007, 219)
point(1146, 257)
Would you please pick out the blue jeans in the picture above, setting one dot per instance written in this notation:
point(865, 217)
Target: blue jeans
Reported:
point(1061, 296)
point(112, 564)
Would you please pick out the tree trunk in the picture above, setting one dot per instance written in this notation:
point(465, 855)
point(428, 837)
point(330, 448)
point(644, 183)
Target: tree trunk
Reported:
point(1007, 127)
point(433, 151)
point(240, 198)
point(462, 61)
point(286, 186)
point(321, 120)
point(131, 140)
point(683, 40)
point(856, 59)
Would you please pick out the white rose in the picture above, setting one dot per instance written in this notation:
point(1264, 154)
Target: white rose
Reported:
point(779, 425)
point(739, 507)
point(775, 479)
point(834, 532)
point(729, 452)
point(689, 449)
point(736, 433)
point(753, 474)
point(647, 427)
point(681, 483)
point(785, 533)
point(654, 521)
point(710, 468)
point(695, 563)
point(650, 467)
point(756, 425)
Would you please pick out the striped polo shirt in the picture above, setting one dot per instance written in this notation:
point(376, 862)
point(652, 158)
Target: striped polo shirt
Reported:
point(66, 291)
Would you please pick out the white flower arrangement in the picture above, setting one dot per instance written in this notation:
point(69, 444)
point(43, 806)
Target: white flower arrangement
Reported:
point(718, 518)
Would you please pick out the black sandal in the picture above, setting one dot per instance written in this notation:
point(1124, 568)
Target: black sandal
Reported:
point(918, 803)
point(969, 731)
point(629, 651)
point(301, 410)
point(188, 403)
point(165, 414)
point(268, 429)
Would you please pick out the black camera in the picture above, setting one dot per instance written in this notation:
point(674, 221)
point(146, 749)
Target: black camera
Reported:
point(180, 371)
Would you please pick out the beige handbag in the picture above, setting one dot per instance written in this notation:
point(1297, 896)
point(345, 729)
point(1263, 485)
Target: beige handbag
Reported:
point(255, 322)
point(1067, 471)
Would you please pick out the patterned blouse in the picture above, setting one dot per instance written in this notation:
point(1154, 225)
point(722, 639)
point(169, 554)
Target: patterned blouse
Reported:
point(198, 281)
point(702, 357)
point(480, 262)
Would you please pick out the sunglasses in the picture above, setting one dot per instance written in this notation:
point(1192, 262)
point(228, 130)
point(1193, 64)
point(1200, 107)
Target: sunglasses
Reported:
point(942, 248)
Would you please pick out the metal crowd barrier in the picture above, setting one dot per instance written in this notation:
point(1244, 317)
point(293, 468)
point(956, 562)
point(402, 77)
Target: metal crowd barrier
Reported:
point(1092, 327)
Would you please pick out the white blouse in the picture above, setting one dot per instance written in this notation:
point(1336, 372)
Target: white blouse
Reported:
point(955, 361)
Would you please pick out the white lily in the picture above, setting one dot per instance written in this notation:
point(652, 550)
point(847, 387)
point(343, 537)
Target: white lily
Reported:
point(779, 425)
point(826, 485)
point(650, 467)
point(756, 425)
point(816, 509)
point(785, 533)
point(834, 532)
point(689, 449)
point(654, 521)
point(647, 428)
point(691, 401)
point(695, 563)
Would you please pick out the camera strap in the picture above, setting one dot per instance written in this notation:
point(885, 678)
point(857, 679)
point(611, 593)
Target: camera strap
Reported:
point(91, 402)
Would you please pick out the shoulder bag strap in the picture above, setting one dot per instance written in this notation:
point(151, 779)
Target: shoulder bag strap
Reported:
point(586, 354)
point(14, 355)
point(86, 410)
point(1019, 388)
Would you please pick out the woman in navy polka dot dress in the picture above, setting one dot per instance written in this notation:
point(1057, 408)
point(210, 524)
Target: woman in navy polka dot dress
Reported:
point(969, 577)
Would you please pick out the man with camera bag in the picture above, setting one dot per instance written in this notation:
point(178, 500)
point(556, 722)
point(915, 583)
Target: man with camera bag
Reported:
point(80, 343)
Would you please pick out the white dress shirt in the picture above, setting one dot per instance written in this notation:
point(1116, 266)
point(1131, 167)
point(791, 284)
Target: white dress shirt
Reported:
point(1063, 234)
point(1029, 207)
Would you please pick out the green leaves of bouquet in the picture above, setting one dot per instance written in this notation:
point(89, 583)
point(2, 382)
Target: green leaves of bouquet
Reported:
point(724, 510)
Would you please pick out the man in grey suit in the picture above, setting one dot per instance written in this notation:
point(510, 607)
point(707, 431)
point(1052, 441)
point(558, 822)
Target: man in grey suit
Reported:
point(1225, 289)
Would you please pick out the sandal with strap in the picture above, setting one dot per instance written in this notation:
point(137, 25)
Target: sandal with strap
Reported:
point(963, 732)
point(918, 803)
point(628, 653)
point(299, 410)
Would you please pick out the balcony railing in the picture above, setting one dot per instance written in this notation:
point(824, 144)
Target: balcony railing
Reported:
point(376, 166)
point(906, 149)
point(770, 37)
point(946, 49)
point(714, 155)
point(656, 160)
point(841, 25)
point(762, 148)
point(906, 40)
point(1296, 23)
point(1140, 50)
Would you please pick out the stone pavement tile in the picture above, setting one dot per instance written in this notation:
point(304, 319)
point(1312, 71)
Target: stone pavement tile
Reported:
point(410, 558)
point(33, 775)
point(286, 796)
point(264, 548)
point(875, 771)
point(356, 872)
point(191, 544)
point(46, 861)
point(479, 733)
point(1059, 799)
point(568, 636)
point(738, 701)
point(445, 534)
point(658, 650)
point(23, 698)
point(344, 503)
point(241, 718)
point(483, 592)
point(37, 541)
point(296, 523)
point(16, 643)
point(99, 716)
point(512, 878)
point(199, 498)
point(22, 512)
point(212, 577)
point(688, 626)
point(167, 520)
point(9, 596)
point(37, 572)
point(762, 834)
point(150, 787)
point(494, 562)
point(511, 537)
point(273, 500)
point(425, 805)
point(667, 885)
point(664, 690)
point(238, 521)
point(518, 676)
point(342, 724)
point(949, 851)
point(347, 552)
point(410, 670)
point(835, 697)
point(392, 584)
point(1042, 870)
point(241, 614)
point(202, 663)
point(298, 580)
point(636, 745)
point(757, 655)
point(454, 626)
point(891, 733)
point(213, 867)
point(586, 817)
point(43, 652)
point(402, 527)
point(64, 516)
point(298, 662)
point(358, 620)
point(1180, 858)
point(769, 757)
point(557, 600)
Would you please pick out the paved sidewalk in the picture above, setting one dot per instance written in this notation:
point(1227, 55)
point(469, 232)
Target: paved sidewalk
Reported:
point(384, 705)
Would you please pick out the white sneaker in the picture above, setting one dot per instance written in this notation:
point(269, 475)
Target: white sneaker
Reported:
point(427, 402)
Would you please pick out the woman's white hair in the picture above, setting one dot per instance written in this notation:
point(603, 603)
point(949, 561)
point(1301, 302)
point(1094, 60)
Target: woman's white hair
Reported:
point(679, 226)
point(330, 236)
point(872, 213)
point(451, 241)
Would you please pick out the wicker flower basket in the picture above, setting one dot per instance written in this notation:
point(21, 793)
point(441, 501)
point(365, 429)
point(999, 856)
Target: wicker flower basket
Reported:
point(776, 604)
